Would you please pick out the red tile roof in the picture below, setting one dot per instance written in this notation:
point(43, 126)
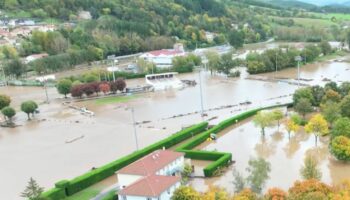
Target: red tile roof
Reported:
point(150, 186)
point(151, 163)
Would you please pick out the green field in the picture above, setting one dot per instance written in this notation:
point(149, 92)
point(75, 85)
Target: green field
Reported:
point(120, 99)
point(338, 16)
point(308, 22)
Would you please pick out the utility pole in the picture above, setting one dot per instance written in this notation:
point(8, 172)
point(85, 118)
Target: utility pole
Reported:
point(47, 95)
point(134, 125)
point(201, 92)
point(113, 70)
point(298, 59)
point(276, 66)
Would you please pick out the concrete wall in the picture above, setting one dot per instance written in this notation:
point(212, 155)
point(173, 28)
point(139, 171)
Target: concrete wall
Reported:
point(127, 179)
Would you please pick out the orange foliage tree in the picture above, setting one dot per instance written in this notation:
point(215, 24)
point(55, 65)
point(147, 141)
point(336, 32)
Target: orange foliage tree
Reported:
point(309, 189)
point(275, 194)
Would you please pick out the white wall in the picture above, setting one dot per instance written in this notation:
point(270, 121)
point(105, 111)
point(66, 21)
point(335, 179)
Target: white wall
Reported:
point(127, 179)
point(176, 166)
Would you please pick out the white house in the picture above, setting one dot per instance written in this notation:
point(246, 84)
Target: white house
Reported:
point(163, 58)
point(154, 176)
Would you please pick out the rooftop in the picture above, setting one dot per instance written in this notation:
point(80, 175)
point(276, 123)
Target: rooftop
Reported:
point(151, 163)
point(166, 52)
point(150, 186)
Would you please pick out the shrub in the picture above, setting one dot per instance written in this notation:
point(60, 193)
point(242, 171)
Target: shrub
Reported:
point(306, 189)
point(4, 101)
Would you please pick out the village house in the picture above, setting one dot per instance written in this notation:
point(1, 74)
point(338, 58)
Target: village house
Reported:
point(33, 57)
point(163, 58)
point(154, 176)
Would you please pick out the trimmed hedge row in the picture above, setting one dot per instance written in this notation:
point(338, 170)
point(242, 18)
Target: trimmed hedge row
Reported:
point(54, 194)
point(81, 182)
point(221, 159)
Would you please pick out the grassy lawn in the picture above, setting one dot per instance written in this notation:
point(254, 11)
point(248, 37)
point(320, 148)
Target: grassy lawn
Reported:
point(109, 100)
point(308, 22)
point(338, 16)
point(85, 194)
point(331, 56)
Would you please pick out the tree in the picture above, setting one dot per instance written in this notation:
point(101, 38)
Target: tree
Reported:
point(213, 60)
point(215, 193)
point(77, 91)
point(277, 115)
point(331, 111)
point(29, 107)
point(64, 86)
point(317, 93)
point(291, 126)
point(9, 113)
point(325, 47)
point(303, 93)
point(104, 87)
point(303, 107)
point(120, 84)
point(318, 126)
point(310, 169)
point(340, 148)
point(344, 88)
point(186, 173)
point(4, 101)
point(88, 89)
point(331, 95)
point(89, 78)
point(15, 67)
point(239, 182)
point(33, 191)
point(185, 193)
point(275, 194)
point(307, 189)
point(263, 119)
point(245, 194)
point(258, 170)
point(236, 38)
point(341, 127)
point(345, 106)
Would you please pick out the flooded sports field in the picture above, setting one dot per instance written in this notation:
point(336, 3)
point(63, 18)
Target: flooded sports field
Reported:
point(61, 143)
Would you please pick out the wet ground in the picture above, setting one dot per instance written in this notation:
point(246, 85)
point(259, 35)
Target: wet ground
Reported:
point(43, 148)
point(285, 156)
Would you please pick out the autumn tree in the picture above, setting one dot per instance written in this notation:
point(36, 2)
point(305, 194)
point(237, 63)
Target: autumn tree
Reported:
point(291, 126)
point(318, 126)
point(310, 169)
point(29, 107)
point(104, 87)
point(185, 193)
point(77, 91)
point(307, 189)
point(186, 173)
point(263, 119)
point(275, 194)
point(64, 86)
point(33, 191)
point(4, 101)
point(215, 193)
point(331, 95)
point(245, 194)
point(340, 148)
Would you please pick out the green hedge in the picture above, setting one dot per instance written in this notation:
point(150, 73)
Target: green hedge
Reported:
point(224, 160)
point(81, 182)
point(111, 196)
point(54, 194)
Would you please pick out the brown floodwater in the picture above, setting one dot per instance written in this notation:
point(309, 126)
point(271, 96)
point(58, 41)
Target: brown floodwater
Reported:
point(61, 143)
point(285, 156)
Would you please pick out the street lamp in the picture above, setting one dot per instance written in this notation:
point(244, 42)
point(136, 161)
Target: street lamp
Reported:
point(298, 59)
point(201, 92)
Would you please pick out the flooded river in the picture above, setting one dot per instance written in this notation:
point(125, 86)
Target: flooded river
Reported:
point(61, 143)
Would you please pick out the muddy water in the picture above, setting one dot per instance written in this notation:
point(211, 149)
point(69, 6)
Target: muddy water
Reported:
point(42, 148)
point(285, 156)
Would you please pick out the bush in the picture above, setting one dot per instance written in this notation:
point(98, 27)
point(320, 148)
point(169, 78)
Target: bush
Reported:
point(340, 148)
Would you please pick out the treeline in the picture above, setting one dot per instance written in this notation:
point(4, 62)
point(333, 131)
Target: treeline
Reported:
point(278, 59)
